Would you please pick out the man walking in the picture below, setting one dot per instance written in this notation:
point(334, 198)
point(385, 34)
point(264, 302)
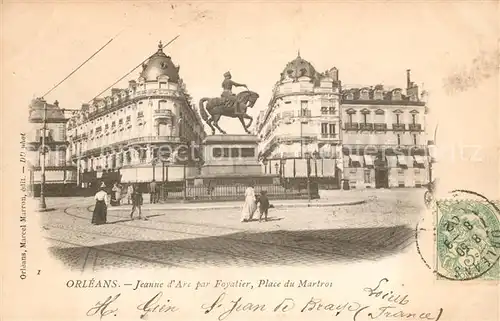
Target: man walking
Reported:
point(137, 203)
point(152, 192)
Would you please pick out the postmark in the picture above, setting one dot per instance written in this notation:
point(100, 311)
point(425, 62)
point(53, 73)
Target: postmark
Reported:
point(467, 238)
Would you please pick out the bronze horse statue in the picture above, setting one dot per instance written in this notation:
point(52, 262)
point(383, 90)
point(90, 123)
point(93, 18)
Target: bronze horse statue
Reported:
point(217, 108)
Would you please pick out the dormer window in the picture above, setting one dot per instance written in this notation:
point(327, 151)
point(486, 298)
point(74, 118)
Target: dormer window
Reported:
point(349, 96)
point(396, 94)
point(364, 94)
point(378, 94)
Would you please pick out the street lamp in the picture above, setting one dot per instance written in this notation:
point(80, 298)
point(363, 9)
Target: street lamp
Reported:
point(303, 121)
point(308, 157)
point(153, 163)
point(264, 162)
point(42, 206)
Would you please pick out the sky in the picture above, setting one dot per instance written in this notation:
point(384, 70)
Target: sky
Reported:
point(369, 42)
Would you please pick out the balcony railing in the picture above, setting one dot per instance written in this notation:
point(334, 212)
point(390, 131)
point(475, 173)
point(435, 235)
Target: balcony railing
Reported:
point(162, 113)
point(398, 127)
point(351, 126)
point(415, 127)
point(328, 136)
point(380, 127)
point(152, 139)
point(366, 126)
point(162, 91)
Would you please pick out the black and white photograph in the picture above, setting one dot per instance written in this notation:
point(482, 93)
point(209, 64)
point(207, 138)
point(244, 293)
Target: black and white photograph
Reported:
point(323, 143)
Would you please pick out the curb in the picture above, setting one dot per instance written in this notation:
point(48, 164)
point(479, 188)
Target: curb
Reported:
point(166, 207)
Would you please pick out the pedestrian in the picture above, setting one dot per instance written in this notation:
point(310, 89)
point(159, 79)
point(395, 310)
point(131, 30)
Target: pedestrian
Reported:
point(117, 189)
point(263, 205)
point(249, 206)
point(130, 190)
point(137, 203)
point(152, 191)
point(101, 206)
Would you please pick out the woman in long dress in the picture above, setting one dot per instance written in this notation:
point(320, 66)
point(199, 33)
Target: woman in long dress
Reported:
point(117, 189)
point(101, 206)
point(250, 205)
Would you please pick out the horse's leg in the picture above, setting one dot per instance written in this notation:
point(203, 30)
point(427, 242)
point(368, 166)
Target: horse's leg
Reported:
point(216, 123)
point(246, 116)
point(209, 122)
point(243, 123)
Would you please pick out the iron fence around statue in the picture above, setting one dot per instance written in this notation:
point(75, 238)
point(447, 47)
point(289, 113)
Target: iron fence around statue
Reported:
point(203, 193)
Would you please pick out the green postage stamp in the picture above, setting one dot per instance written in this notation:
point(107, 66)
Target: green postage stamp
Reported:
point(467, 239)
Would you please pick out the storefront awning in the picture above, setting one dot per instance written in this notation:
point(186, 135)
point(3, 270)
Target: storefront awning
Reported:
point(419, 159)
point(368, 160)
point(355, 158)
point(401, 159)
point(392, 161)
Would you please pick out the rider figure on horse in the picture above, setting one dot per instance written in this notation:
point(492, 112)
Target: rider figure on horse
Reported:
point(229, 99)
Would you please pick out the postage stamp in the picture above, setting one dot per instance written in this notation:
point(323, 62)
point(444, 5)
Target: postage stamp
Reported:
point(467, 240)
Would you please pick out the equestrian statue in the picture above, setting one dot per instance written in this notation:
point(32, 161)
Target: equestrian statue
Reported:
point(229, 105)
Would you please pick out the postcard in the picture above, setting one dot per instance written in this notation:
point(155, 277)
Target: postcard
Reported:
point(281, 160)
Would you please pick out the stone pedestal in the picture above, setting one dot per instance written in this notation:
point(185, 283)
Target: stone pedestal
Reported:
point(230, 156)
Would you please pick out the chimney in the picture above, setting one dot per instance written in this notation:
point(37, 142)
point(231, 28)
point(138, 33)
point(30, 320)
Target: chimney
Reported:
point(132, 84)
point(408, 79)
point(85, 106)
point(56, 103)
point(114, 91)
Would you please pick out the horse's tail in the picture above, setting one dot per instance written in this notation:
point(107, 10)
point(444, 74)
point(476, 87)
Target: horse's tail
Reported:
point(203, 112)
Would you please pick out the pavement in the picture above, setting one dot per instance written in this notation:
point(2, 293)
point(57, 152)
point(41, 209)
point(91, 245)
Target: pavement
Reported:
point(381, 226)
point(328, 198)
point(238, 204)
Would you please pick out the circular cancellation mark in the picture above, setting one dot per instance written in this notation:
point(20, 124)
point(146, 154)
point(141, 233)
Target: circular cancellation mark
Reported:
point(466, 237)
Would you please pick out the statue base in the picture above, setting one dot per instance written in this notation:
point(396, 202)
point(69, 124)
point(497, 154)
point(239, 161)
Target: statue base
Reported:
point(230, 155)
point(231, 160)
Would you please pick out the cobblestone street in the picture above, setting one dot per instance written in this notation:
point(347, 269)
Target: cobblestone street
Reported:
point(380, 227)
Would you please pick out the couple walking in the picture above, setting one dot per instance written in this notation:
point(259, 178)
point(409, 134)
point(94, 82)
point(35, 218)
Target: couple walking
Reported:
point(102, 201)
point(250, 205)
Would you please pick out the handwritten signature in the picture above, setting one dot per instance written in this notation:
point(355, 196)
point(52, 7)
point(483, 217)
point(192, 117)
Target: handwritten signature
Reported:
point(104, 309)
point(224, 306)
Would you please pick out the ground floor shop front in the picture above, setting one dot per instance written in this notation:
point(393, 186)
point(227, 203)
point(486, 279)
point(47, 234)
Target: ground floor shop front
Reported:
point(386, 170)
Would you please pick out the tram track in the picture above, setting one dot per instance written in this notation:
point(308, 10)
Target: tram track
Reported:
point(201, 252)
point(296, 249)
point(95, 248)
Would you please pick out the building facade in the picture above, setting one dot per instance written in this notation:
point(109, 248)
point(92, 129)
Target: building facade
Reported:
point(301, 121)
point(384, 142)
point(147, 131)
point(60, 174)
